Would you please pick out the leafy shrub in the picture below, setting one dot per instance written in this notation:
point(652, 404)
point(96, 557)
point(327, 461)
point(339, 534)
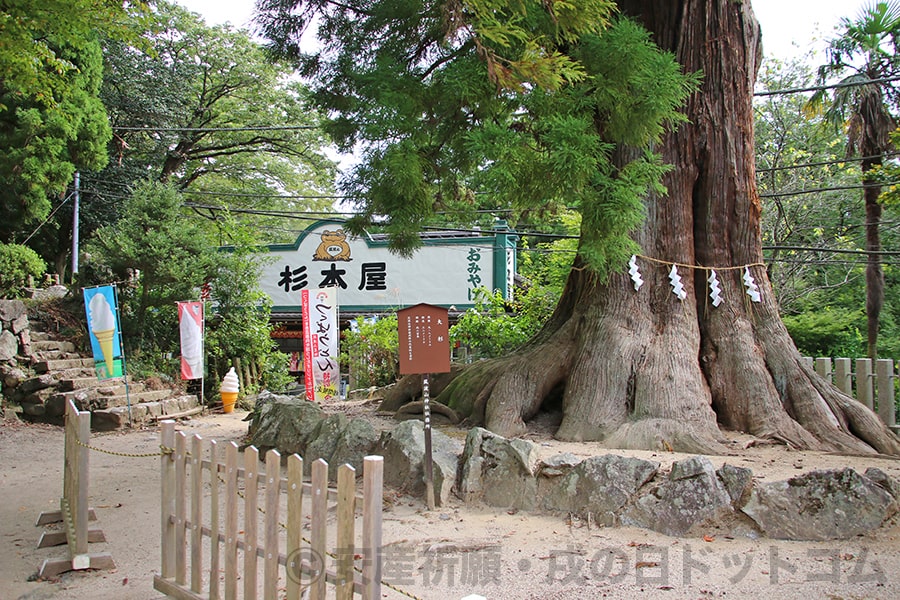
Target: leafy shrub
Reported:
point(831, 332)
point(490, 329)
point(370, 351)
point(16, 264)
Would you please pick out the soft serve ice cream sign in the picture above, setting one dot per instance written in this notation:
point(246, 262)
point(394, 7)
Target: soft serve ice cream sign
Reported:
point(100, 305)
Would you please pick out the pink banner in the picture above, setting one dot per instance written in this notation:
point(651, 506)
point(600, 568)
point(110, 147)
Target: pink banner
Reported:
point(320, 344)
point(190, 323)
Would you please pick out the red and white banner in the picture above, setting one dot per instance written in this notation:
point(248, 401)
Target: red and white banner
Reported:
point(190, 323)
point(320, 343)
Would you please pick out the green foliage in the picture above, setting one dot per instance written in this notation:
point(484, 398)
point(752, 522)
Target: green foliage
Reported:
point(458, 112)
point(41, 42)
point(164, 256)
point(821, 294)
point(17, 263)
point(369, 351)
point(833, 332)
point(491, 329)
point(43, 143)
point(186, 91)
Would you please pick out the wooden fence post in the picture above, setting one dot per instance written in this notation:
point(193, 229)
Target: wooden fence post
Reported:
point(167, 500)
point(231, 520)
point(317, 533)
point(251, 520)
point(865, 383)
point(196, 513)
point(294, 523)
point(373, 477)
point(346, 513)
point(214, 528)
point(180, 509)
point(885, 371)
point(273, 493)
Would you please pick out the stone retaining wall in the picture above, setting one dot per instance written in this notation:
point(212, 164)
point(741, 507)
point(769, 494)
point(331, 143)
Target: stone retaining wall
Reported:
point(687, 499)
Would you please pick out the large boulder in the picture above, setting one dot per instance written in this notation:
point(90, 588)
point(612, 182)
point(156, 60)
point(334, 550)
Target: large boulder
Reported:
point(9, 345)
point(10, 310)
point(323, 440)
point(600, 486)
point(354, 443)
point(690, 496)
point(285, 423)
point(738, 482)
point(403, 450)
point(820, 505)
point(499, 471)
point(11, 376)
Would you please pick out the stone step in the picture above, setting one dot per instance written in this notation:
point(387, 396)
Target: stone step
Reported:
point(91, 381)
point(56, 355)
point(117, 417)
point(55, 405)
point(37, 335)
point(63, 364)
point(51, 346)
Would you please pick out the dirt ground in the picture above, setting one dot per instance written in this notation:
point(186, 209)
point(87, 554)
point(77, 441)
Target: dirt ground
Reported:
point(455, 550)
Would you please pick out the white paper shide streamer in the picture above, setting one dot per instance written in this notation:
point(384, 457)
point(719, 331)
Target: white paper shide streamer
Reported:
point(752, 288)
point(635, 273)
point(715, 292)
point(677, 286)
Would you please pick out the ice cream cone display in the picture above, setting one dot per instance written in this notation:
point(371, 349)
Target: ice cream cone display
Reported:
point(229, 390)
point(103, 326)
point(105, 339)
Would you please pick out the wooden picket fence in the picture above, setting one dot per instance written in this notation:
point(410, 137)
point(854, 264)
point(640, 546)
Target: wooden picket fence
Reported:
point(874, 382)
point(193, 471)
point(74, 512)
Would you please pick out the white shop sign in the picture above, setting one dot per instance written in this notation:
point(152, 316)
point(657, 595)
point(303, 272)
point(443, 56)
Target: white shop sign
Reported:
point(370, 278)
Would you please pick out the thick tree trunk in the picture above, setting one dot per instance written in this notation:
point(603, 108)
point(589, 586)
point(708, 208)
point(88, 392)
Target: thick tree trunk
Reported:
point(645, 369)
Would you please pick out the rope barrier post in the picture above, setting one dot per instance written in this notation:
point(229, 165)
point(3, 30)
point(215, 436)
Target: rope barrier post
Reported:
point(74, 510)
point(78, 495)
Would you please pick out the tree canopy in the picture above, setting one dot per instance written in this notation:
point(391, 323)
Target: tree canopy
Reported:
point(865, 55)
point(200, 106)
point(52, 121)
point(460, 106)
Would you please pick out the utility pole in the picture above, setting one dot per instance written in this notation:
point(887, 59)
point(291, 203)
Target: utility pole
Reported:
point(75, 226)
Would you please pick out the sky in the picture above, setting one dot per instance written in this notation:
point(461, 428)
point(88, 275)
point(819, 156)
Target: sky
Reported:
point(790, 28)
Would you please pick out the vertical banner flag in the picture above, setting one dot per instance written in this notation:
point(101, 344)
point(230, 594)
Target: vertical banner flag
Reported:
point(190, 324)
point(320, 343)
point(103, 326)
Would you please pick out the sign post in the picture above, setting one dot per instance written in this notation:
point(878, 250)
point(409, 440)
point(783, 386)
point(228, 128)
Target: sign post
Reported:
point(424, 335)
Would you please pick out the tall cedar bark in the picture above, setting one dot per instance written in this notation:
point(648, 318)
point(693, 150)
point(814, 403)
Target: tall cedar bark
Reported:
point(643, 369)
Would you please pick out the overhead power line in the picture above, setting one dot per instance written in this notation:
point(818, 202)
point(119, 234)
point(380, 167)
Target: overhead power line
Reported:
point(828, 189)
point(826, 163)
point(221, 129)
point(833, 250)
point(818, 88)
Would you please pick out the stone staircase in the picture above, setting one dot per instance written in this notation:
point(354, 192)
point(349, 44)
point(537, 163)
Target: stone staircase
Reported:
point(61, 374)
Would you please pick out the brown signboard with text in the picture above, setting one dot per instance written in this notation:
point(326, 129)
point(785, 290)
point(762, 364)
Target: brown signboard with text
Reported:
point(424, 333)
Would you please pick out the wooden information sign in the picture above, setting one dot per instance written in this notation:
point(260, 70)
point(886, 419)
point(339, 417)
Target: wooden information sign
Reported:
point(424, 334)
